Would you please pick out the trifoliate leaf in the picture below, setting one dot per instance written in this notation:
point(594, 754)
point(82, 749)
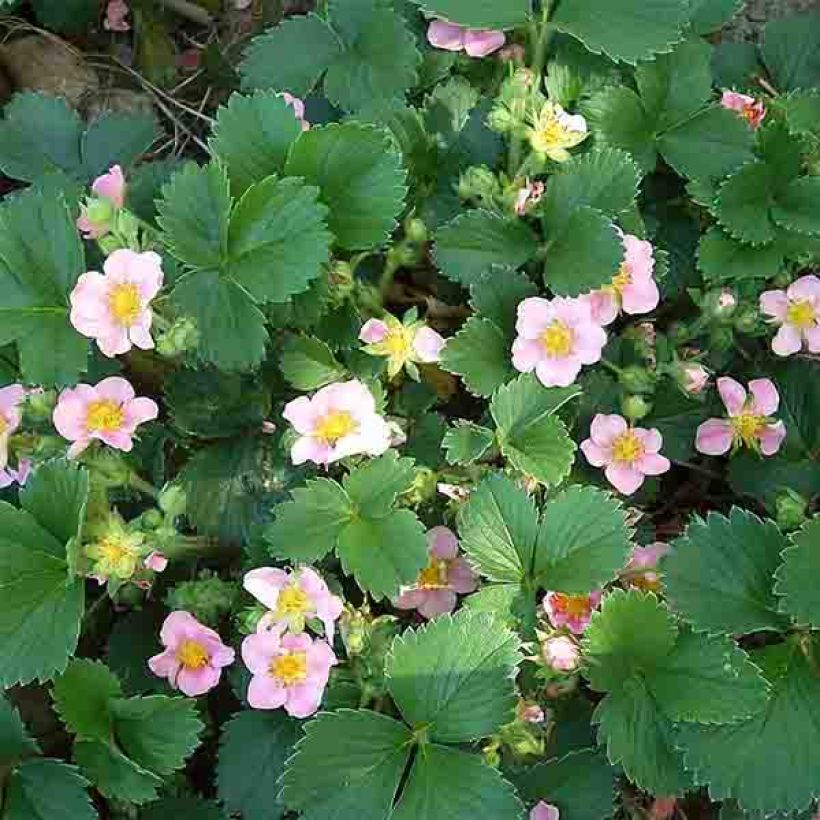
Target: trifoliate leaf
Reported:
point(498, 526)
point(306, 528)
point(348, 765)
point(707, 16)
point(252, 754)
point(795, 580)
point(719, 573)
point(477, 13)
point(113, 774)
point(41, 789)
point(466, 442)
point(796, 208)
point(116, 139)
point(454, 676)
point(375, 486)
point(252, 135)
point(496, 297)
point(477, 241)
point(479, 353)
point(82, 695)
point(43, 606)
point(584, 255)
point(583, 541)
point(15, 742)
point(383, 554)
point(743, 204)
point(308, 363)
point(291, 56)
point(360, 177)
point(450, 783)
point(769, 762)
point(157, 732)
point(723, 259)
point(791, 52)
point(627, 30)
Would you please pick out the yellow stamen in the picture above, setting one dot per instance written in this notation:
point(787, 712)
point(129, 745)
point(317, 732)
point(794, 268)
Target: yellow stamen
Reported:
point(550, 135)
point(557, 340)
point(746, 427)
point(290, 669)
point(575, 606)
point(434, 575)
point(4, 425)
point(125, 303)
point(627, 447)
point(801, 314)
point(292, 601)
point(104, 416)
point(621, 280)
point(398, 343)
point(192, 655)
point(334, 426)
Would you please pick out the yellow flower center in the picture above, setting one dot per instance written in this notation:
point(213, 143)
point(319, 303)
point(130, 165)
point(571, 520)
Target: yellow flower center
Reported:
point(192, 655)
point(125, 303)
point(575, 606)
point(627, 447)
point(291, 668)
point(334, 426)
point(621, 280)
point(113, 549)
point(557, 340)
point(434, 575)
point(746, 427)
point(292, 601)
point(4, 425)
point(801, 314)
point(549, 133)
point(398, 343)
point(104, 416)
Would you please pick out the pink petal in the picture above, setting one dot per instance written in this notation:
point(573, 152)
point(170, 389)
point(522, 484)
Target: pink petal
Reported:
point(176, 628)
point(732, 394)
point(714, 437)
point(140, 410)
point(113, 340)
point(606, 428)
point(427, 345)
point(771, 437)
point(449, 36)
point(624, 479)
point(118, 439)
point(442, 542)
point(558, 372)
point(534, 315)
point(604, 306)
point(526, 354)
point(373, 331)
point(787, 340)
point(164, 665)
point(258, 650)
point(461, 577)
point(651, 439)
point(806, 287)
point(115, 389)
point(111, 185)
point(69, 414)
point(437, 602)
point(303, 700)
point(765, 398)
point(265, 583)
point(544, 811)
point(77, 448)
point(589, 342)
point(265, 692)
point(410, 599)
point(596, 455)
point(156, 562)
point(813, 339)
point(653, 464)
point(300, 414)
point(141, 336)
point(310, 449)
point(640, 297)
point(735, 101)
point(195, 682)
point(481, 42)
point(774, 303)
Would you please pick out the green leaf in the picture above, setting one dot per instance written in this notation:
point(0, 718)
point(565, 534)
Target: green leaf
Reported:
point(56, 496)
point(477, 13)
point(791, 52)
point(277, 239)
point(496, 297)
point(797, 382)
point(723, 259)
point(374, 486)
point(306, 528)
point(796, 207)
point(743, 204)
point(113, 774)
point(583, 541)
point(476, 241)
point(252, 754)
point(450, 783)
point(157, 732)
point(384, 553)
point(42, 789)
point(802, 111)
point(707, 16)
point(530, 436)
point(627, 30)
point(585, 255)
point(308, 363)
point(769, 762)
point(291, 56)
point(360, 177)
point(466, 442)
point(497, 527)
point(82, 695)
point(454, 676)
point(252, 135)
point(505, 602)
point(15, 742)
point(116, 139)
point(719, 573)
point(42, 607)
point(67, 16)
point(131, 642)
point(795, 580)
point(580, 785)
point(183, 808)
point(735, 64)
point(38, 136)
point(480, 354)
point(347, 766)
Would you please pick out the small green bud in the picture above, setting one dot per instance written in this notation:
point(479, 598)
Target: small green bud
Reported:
point(635, 407)
point(151, 519)
point(416, 231)
point(791, 509)
point(478, 182)
point(40, 406)
point(208, 598)
point(746, 319)
point(173, 500)
point(182, 336)
point(719, 304)
point(501, 120)
point(636, 379)
point(99, 212)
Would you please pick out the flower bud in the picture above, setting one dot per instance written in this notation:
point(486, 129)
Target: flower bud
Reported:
point(635, 407)
point(416, 231)
point(636, 379)
point(40, 404)
point(208, 598)
point(478, 182)
point(791, 509)
point(561, 653)
point(173, 500)
point(693, 377)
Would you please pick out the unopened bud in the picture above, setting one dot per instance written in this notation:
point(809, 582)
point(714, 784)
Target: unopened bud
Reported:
point(635, 407)
point(791, 509)
point(416, 231)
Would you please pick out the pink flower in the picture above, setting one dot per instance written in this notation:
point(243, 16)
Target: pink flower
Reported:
point(555, 339)
point(114, 308)
point(97, 215)
point(633, 290)
point(750, 421)
point(11, 397)
point(293, 597)
point(528, 196)
point(641, 570)
point(544, 811)
point(156, 562)
point(402, 344)
point(753, 111)
point(339, 420)
point(695, 378)
point(298, 108)
point(194, 655)
point(571, 611)
point(9, 475)
point(108, 411)
point(288, 670)
point(475, 42)
point(628, 453)
point(115, 15)
point(447, 573)
point(530, 712)
point(726, 301)
point(797, 311)
point(561, 652)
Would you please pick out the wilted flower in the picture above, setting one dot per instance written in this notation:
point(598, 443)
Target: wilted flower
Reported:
point(401, 343)
point(528, 196)
point(11, 397)
point(797, 311)
point(750, 422)
point(627, 453)
point(288, 670)
point(194, 655)
point(115, 14)
point(555, 339)
point(156, 562)
point(695, 377)
point(554, 131)
point(752, 110)
point(116, 552)
point(337, 421)
point(109, 411)
point(114, 307)
point(544, 811)
point(572, 611)
point(99, 211)
point(530, 712)
point(641, 570)
point(475, 42)
point(434, 593)
point(293, 596)
point(561, 652)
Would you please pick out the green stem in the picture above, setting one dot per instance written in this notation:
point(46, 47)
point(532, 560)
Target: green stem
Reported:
point(540, 54)
point(142, 485)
